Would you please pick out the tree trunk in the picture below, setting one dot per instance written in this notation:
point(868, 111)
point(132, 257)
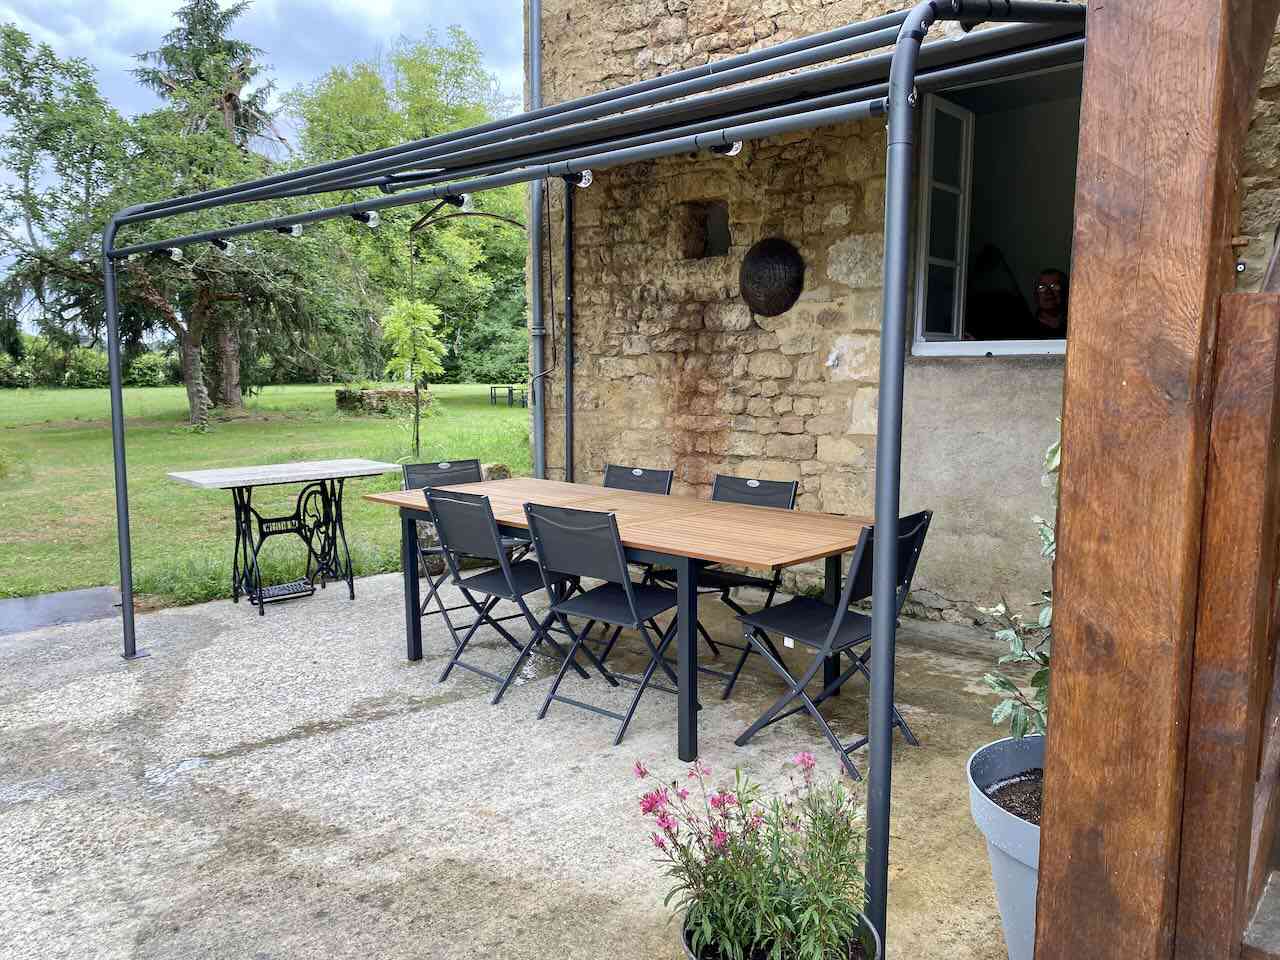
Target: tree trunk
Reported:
point(193, 375)
point(228, 349)
point(191, 342)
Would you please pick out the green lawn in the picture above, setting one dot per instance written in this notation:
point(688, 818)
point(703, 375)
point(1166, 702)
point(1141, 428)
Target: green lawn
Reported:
point(57, 510)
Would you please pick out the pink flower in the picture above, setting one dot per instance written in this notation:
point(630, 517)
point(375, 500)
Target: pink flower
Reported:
point(699, 769)
point(655, 801)
point(756, 821)
point(659, 841)
point(682, 793)
point(723, 800)
point(666, 823)
point(640, 770)
point(719, 838)
point(805, 761)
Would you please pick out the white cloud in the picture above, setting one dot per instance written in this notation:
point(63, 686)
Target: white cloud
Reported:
point(302, 38)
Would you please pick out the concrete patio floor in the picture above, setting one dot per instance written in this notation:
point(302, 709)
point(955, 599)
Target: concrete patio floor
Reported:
point(289, 786)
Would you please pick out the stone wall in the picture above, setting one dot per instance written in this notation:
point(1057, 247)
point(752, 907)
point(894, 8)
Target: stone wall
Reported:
point(672, 368)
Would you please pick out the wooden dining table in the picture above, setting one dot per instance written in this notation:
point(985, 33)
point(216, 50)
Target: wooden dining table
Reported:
point(683, 533)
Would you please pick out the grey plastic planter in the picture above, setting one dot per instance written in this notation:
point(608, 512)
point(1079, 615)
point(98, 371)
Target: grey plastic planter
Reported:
point(870, 938)
point(1013, 844)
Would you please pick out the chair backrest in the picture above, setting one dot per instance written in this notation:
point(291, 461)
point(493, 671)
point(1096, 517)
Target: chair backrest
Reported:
point(758, 493)
point(639, 479)
point(858, 585)
point(419, 476)
point(466, 526)
point(579, 543)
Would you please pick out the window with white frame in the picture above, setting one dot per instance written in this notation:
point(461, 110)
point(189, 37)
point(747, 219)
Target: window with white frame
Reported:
point(997, 190)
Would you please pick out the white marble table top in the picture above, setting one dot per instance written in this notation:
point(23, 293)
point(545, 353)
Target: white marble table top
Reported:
point(303, 471)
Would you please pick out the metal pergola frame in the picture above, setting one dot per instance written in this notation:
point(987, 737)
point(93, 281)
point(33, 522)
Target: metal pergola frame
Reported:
point(697, 109)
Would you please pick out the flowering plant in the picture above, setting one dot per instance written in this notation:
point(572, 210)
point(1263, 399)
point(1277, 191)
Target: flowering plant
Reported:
point(778, 878)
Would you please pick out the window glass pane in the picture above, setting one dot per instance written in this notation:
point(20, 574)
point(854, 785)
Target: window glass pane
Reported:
point(948, 141)
point(939, 302)
point(944, 223)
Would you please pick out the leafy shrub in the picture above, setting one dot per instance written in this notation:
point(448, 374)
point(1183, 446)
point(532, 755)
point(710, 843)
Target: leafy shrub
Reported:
point(14, 373)
point(780, 878)
point(1028, 644)
point(86, 368)
point(150, 370)
point(47, 363)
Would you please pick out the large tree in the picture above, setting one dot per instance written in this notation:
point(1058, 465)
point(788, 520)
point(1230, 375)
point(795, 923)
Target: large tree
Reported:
point(73, 161)
point(471, 269)
point(214, 82)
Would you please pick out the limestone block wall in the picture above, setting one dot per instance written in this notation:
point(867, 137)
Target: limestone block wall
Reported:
point(673, 369)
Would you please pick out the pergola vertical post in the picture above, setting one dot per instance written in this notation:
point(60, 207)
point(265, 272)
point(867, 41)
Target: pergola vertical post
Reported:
point(893, 340)
point(117, 442)
point(1167, 96)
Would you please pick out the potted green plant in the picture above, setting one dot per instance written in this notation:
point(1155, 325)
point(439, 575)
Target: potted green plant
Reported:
point(1006, 778)
point(762, 879)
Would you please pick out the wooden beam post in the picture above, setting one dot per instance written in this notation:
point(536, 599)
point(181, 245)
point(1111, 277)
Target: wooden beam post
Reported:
point(1230, 674)
point(1168, 90)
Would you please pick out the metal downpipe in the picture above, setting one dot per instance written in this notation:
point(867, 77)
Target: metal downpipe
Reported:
point(537, 323)
point(117, 441)
point(570, 185)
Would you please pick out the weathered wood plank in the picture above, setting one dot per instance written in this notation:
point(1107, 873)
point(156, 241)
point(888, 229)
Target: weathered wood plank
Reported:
point(1230, 672)
point(756, 537)
point(1167, 94)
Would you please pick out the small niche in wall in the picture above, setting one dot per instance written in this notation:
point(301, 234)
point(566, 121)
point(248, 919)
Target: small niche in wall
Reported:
point(702, 229)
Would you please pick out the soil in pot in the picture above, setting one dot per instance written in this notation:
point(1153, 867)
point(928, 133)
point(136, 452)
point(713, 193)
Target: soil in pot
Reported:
point(1020, 795)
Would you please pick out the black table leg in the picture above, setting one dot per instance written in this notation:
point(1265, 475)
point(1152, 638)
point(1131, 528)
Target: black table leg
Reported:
point(831, 596)
point(687, 655)
point(343, 560)
point(412, 605)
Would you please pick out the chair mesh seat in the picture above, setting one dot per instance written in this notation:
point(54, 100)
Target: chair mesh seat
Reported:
point(608, 603)
point(525, 577)
point(808, 620)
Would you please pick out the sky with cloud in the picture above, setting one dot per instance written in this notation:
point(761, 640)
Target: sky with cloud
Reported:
point(302, 38)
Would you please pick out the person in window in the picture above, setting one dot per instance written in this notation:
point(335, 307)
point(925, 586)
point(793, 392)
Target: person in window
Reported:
point(1050, 322)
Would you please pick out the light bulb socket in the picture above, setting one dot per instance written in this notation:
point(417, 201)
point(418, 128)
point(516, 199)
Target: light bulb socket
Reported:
point(175, 254)
point(294, 231)
point(226, 246)
point(581, 180)
point(369, 218)
point(728, 149)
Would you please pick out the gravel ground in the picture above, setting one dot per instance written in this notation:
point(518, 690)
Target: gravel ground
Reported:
point(288, 786)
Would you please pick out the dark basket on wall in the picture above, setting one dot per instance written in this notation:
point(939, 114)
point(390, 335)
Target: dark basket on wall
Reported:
point(771, 277)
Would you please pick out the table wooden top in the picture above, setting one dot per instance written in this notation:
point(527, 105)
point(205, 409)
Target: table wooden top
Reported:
point(266, 475)
point(757, 537)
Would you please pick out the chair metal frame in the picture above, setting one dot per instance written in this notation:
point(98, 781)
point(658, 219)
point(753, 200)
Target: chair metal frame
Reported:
point(726, 488)
point(857, 586)
point(566, 521)
point(441, 474)
point(477, 544)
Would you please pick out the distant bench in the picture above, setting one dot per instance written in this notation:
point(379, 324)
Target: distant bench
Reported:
point(516, 393)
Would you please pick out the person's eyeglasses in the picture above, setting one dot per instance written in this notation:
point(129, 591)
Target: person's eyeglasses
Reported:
point(1046, 287)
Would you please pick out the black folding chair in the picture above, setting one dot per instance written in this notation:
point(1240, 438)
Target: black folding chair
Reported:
point(422, 476)
point(760, 493)
point(467, 528)
point(618, 477)
point(585, 543)
point(832, 631)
